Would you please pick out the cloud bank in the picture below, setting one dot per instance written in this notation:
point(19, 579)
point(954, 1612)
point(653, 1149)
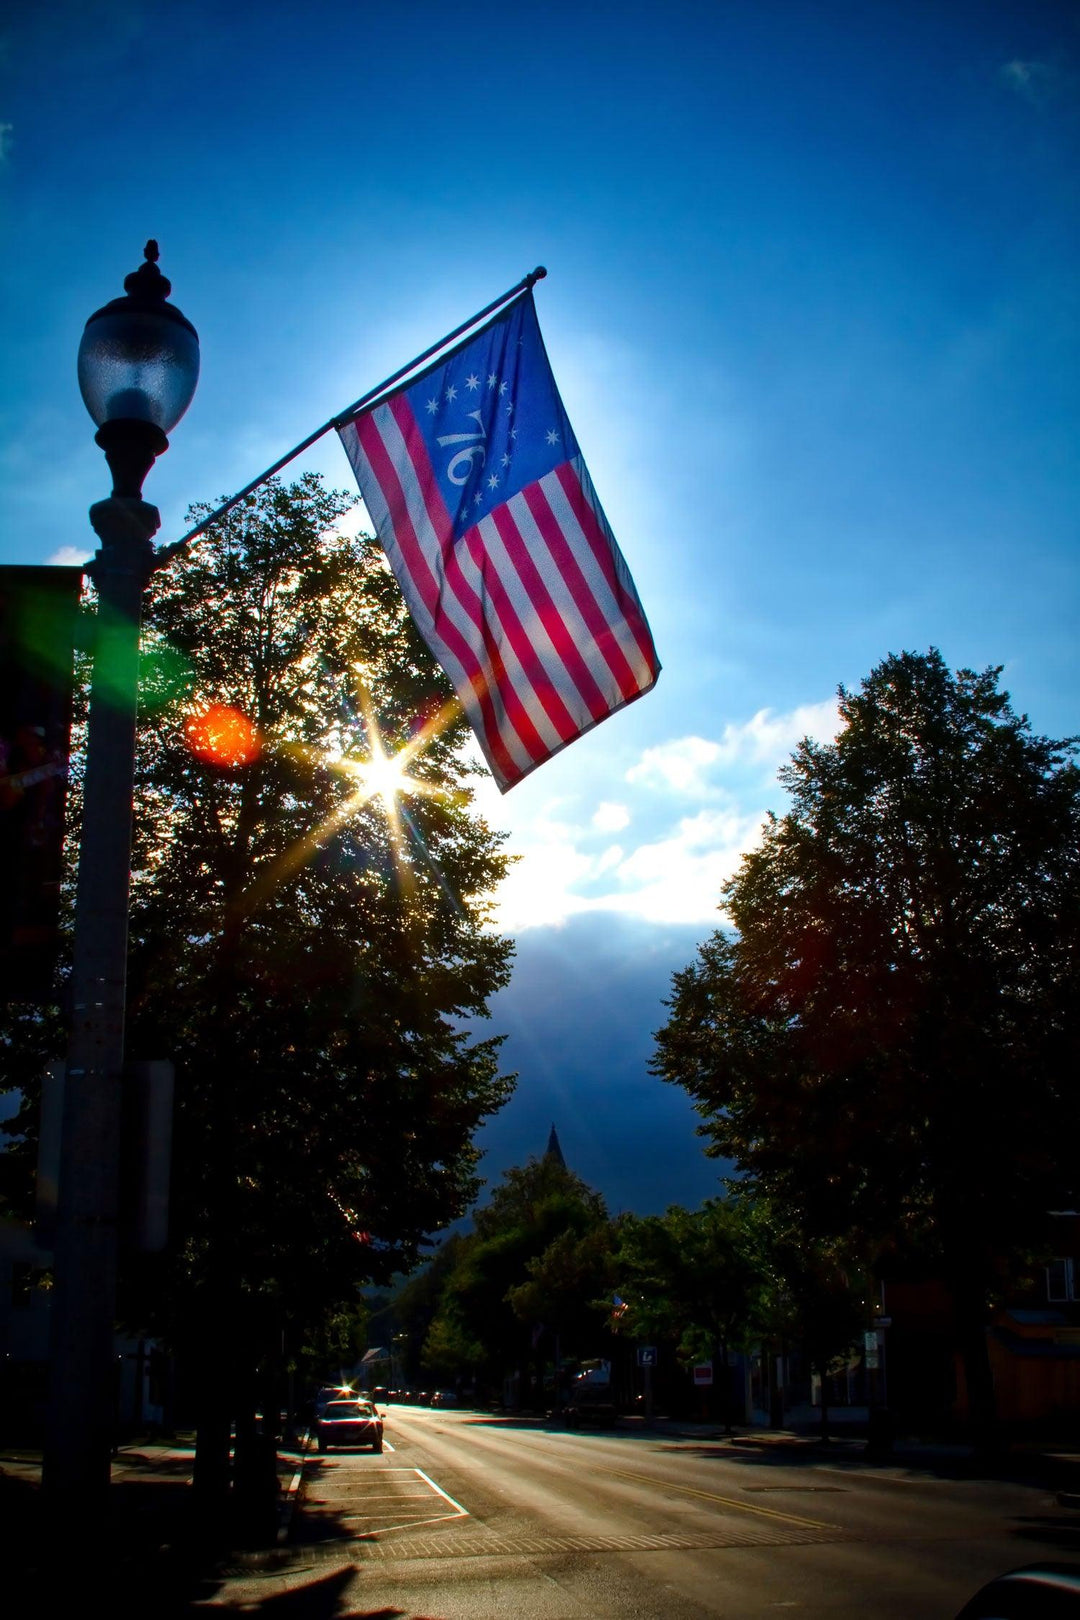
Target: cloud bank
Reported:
point(661, 847)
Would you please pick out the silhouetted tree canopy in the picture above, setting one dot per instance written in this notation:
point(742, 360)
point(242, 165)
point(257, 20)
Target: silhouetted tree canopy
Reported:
point(537, 1256)
point(886, 1038)
point(698, 1278)
point(311, 962)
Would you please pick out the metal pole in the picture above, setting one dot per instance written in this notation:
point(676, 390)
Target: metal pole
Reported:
point(338, 421)
point(83, 1395)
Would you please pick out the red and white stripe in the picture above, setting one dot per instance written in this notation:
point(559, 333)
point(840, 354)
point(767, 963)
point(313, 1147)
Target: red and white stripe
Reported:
point(532, 612)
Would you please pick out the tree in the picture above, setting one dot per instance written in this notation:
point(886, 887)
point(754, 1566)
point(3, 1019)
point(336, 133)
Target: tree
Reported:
point(540, 1212)
point(411, 1311)
point(697, 1278)
point(568, 1288)
point(814, 1297)
point(887, 1042)
point(309, 955)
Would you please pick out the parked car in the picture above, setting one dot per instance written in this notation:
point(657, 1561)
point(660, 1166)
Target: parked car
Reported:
point(588, 1407)
point(444, 1397)
point(349, 1423)
point(331, 1392)
point(1034, 1592)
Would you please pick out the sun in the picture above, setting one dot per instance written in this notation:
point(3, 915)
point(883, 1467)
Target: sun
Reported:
point(385, 775)
point(380, 775)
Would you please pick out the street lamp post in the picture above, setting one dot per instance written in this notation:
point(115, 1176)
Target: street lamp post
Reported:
point(138, 367)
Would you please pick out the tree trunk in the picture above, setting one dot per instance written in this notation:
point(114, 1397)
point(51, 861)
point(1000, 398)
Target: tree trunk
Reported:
point(824, 1408)
point(725, 1373)
point(776, 1390)
point(213, 1419)
point(971, 1323)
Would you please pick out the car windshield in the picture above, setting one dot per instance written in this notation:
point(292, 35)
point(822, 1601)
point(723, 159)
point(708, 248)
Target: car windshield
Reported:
point(348, 1409)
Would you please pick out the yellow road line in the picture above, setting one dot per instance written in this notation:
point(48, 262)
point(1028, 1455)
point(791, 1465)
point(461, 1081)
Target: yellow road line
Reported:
point(726, 1501)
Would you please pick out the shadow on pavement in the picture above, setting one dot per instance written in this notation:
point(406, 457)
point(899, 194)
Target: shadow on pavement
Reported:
point(315, 1521)
point(1050, 1530)
point(515, 1422)
point(147, 1556)
point(322, 1598)
point(178, 1466)
point(909, 1462)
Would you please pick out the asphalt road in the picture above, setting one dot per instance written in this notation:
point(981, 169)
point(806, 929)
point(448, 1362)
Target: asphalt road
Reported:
point(464, 1518)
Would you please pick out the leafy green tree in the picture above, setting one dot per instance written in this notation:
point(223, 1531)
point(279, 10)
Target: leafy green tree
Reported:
point(330, 1343)
point(568, 1288)
point(536, 1206)
point(814, 1297)
point(413, 1308)
point(311, 956)
point(448, 1354)
point(887, 1042)
point(698, 1278)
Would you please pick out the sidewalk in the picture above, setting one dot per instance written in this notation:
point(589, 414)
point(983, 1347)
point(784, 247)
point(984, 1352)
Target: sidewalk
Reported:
point(146, 1556)
point(1056, 1467)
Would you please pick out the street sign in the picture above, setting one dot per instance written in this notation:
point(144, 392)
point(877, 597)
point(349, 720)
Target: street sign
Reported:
point(646, 1355)
point(702, 1374)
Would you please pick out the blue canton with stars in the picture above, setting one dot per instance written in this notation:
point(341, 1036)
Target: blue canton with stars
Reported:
point(491, 416)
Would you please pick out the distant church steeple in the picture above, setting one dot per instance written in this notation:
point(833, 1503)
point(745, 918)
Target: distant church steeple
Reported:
point(554, 1151)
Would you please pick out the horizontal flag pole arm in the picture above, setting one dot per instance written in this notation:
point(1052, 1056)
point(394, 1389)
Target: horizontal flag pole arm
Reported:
point(166, 553)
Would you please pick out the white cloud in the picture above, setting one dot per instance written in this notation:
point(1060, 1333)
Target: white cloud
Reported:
point(768, 738)
point(678, 766)
point(610, 818)
point(694, 765)
point(540, 890)
point(1035, 81)
point(697, 805)
point(678, 878)
point(70, 556)
point(675, 878)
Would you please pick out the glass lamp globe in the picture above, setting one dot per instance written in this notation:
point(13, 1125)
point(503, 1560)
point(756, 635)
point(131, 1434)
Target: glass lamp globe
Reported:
point(139, 357)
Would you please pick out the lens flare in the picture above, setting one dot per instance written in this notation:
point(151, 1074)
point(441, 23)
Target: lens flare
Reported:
point(385, 776)
point(165, 674)
point(221, 735)
point(379, 775)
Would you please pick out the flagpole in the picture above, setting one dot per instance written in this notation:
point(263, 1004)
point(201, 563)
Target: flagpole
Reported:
point(165, 553)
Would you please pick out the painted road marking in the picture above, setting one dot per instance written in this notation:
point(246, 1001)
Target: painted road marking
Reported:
point(348, 1498)
point(388, 1496)
point(725, 1501)
point(464, 1512)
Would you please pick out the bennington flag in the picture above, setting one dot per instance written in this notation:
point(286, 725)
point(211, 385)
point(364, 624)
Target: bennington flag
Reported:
point(477, 490)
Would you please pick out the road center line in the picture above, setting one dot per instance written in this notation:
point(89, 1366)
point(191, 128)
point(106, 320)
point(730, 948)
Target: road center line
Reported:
point(726, 1501)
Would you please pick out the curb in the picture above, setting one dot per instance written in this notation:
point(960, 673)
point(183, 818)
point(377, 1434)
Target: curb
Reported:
point(286, 1508)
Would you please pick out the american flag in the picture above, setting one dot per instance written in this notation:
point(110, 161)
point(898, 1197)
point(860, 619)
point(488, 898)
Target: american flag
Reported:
point(475, 484)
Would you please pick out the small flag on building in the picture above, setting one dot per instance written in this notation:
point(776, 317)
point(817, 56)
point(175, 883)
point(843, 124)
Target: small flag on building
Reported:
point(475, 484)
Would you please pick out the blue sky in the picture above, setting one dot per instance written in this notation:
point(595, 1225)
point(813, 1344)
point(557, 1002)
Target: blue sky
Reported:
point(812, 304)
